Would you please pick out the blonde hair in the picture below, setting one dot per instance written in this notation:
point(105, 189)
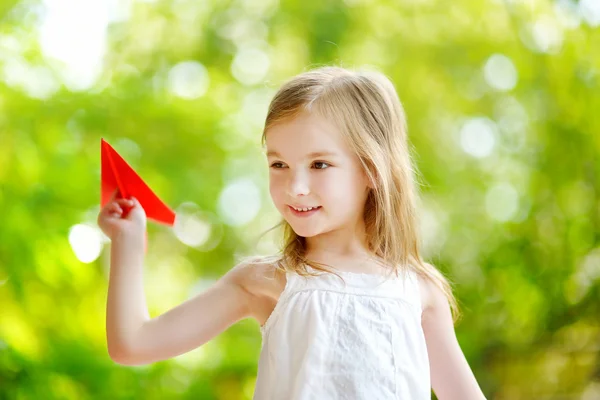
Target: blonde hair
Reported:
point(364, 106)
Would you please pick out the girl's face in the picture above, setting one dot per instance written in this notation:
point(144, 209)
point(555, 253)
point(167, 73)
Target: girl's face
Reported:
point(310, 165)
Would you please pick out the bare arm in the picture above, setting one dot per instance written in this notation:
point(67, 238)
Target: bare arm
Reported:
point(451, 376)
point(132, 337)
point(126, 308)
point(135, 339)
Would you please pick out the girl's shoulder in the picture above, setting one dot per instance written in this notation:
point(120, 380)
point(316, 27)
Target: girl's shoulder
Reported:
point(426, 286)
point(260, 276)
point(433, 297)
point(262, 281)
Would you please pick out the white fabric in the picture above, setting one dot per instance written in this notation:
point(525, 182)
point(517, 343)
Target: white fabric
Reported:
point(361, 339)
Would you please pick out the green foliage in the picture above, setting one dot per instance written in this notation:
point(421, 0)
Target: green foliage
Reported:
point(502, 102)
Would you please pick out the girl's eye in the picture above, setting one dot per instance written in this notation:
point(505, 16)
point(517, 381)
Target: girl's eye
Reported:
point(322, 163)
point(317, 164)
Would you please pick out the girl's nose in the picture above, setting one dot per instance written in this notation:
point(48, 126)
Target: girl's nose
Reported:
point(298, 185)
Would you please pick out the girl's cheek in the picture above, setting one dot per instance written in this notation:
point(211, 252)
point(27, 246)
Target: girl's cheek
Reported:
point(274, 184)
point(276, 191)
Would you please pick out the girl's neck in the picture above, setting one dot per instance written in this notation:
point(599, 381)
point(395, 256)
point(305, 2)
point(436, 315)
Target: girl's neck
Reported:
point(361, 262)
point(345, 249)
point(353, 266)
point(343, 242)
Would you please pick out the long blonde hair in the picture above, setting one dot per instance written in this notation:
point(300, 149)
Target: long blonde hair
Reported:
point(364, 106)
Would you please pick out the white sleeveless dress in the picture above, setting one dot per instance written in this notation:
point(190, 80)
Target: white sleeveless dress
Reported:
point(358, 340)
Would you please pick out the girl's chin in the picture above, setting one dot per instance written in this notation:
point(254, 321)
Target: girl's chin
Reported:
point(304, 231)
point(306, 234)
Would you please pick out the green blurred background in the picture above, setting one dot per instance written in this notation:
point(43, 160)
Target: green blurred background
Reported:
point(503, 105)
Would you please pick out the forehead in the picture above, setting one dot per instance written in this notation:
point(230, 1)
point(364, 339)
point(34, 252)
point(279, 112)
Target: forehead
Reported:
point(305, 135)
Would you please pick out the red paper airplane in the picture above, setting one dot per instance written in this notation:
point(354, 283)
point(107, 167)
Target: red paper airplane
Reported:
point(117, 174)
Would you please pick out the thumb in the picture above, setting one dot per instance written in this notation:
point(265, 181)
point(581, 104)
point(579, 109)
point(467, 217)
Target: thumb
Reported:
point(137, 211)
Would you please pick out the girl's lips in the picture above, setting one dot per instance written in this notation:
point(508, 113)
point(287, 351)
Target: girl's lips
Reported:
point(305, 213)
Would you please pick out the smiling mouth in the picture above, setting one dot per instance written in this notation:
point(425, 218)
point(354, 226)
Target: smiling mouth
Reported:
point(304, 211)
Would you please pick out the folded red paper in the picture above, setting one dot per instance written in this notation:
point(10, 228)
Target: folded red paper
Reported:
point(117, 174)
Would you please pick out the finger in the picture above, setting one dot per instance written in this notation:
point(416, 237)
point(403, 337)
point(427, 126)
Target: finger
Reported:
point(113, 198)
point(136, 211)
point(136, 203)
point(125, 202)
point(114, 208)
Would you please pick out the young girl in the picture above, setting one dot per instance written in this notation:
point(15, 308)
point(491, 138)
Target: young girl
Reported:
point(348, 310)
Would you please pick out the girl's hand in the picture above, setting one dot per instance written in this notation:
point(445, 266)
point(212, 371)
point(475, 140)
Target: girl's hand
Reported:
point(122, 217)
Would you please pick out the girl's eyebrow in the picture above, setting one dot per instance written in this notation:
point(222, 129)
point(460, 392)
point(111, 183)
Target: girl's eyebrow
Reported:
point(314, 154)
